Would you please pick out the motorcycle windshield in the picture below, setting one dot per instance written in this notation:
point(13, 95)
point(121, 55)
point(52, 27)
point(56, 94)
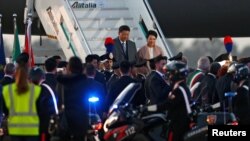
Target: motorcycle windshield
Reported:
point(126, 96)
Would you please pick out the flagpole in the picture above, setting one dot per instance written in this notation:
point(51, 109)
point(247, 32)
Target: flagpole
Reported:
point(1, 20)
point(28, 46)
point(14, 21)
point(29, 39)
point(1, 23)
point(30, 51)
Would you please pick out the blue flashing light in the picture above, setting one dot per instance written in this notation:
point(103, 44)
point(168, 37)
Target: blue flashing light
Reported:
point(93, 99)
point(230, 94)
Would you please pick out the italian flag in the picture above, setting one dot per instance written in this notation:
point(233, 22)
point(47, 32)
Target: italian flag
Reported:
point(27, 46)
point(16, 46)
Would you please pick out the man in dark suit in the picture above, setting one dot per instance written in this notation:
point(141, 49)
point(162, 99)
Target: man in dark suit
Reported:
point(124, 49)
point(57, 58)
point(177, 102)
point(156, 87)
point(50, 76)
point(95, 60)
point(9, 71)
point(75, 100)
point(206, 92)
point(118, 86)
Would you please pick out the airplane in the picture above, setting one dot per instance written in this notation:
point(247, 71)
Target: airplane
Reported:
point(202, 18)
point(177, 18)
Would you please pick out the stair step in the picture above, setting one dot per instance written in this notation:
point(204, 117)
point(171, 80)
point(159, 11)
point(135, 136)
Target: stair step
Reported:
point(48, 53)
point(102, 39)
point(105, 22)
point(106, 18)
point(106, 28)
point(98, 52)
point(101, 14)
point(107, 33)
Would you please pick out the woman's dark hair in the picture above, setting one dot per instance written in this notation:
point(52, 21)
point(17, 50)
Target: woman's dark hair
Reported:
point(22, 73)
point(152, 32)
point(22, 78)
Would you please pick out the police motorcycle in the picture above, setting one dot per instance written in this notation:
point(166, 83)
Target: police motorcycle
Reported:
point(126, 122)
point(202, 117)
point(95, 122)
point(56, 129)
point(58, 123)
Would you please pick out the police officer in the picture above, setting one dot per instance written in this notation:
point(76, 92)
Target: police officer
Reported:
point(107, 63)
point(37, 76)
point(21, 104)
point(118, 86)
point(241, 105)
point(224, 85)
point(115, 76)
point(177, 103)
point(142, 70)
point(246, 61)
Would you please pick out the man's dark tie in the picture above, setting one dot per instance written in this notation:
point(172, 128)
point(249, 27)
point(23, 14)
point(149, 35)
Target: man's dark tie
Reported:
point(124, 47)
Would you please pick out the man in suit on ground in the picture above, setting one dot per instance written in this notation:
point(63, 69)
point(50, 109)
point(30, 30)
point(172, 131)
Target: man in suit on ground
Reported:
point(50, 76)
point(9, 71)
point(94, 60)
point(156, 88)
point(124, 49)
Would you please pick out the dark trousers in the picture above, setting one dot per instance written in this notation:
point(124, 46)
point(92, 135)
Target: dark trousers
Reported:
point(177, 131)
point(24, 138)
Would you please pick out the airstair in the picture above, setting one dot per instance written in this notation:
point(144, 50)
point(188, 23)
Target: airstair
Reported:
point(81, 26)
